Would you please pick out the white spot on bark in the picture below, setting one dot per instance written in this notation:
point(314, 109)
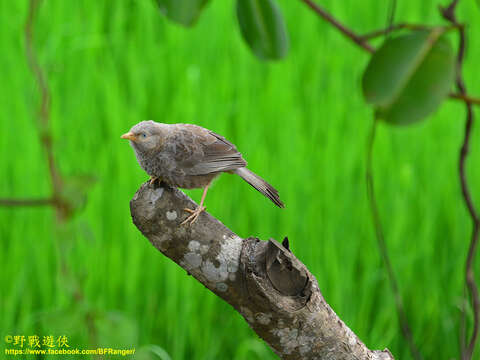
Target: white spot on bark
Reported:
point(194, 245)
point(171, 215)
point(352, 338)
point(352, 341)
point(231, 276)
point(228, 259)
point(150, 206)
point(381, 355)
point(230, 253)
point(247, 313)
point(263, 318)
point(156, 194)
point(305, 343)
point(288, 339)
point(203, 249)
point(192, 260)
point(222, 287)
point(214, 274)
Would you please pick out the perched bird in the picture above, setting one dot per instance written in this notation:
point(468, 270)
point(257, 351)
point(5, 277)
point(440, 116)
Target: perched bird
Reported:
point(189, 156)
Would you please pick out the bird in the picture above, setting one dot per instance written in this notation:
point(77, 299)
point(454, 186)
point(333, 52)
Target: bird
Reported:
point(189, 156)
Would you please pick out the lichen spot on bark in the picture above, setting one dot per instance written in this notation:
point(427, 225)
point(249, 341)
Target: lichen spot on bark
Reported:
point(222, 286)
point(230, 253)
point(263, 318)
point(247, 314)
point(288, 339)
point(214, 274)
point(193, 245)
point(150, 207)
point(192, 260)
point(204, 249)
point(171, 215)
point(156, 194)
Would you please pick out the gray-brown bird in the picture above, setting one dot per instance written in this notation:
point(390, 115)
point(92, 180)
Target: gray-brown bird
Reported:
point(189, 156)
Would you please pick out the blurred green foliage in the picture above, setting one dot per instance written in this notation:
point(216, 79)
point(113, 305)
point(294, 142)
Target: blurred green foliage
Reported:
point(301, 123)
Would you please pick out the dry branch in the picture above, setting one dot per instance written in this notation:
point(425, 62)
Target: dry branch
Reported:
point(275, 293)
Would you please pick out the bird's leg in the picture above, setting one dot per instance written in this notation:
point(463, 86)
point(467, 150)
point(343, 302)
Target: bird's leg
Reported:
point(195, 213)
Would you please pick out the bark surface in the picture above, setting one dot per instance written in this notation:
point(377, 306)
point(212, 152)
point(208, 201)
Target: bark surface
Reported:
point(275, 293)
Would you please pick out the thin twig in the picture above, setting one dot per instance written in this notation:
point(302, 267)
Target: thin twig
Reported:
point(400, 26)
point(44, 111)
point(465, 98)
point(391, 17)
point(357, 39)
point(376, 33)
point(402, 317)
point(61, 206)
point(449, 14)
point(27, 202)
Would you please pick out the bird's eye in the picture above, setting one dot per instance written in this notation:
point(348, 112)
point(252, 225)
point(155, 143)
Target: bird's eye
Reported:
point(144, 135)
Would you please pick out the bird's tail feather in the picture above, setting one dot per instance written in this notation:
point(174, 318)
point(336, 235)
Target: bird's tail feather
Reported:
point(261, 185)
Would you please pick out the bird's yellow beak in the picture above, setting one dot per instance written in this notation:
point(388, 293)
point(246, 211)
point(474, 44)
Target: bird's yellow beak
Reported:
point(129, 136)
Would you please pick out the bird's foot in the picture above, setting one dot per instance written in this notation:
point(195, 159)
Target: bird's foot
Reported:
point(194, 215)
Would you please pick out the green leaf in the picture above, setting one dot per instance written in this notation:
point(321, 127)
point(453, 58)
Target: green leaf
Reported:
point(409, 76)
point(184, 12)
point(263, 28)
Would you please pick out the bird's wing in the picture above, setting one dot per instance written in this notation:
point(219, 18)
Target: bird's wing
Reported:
point(213, 154)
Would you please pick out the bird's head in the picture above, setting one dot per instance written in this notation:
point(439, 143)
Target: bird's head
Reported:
point(145, 136)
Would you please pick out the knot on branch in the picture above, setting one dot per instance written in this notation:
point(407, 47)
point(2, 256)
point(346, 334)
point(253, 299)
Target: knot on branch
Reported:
point(273, 275)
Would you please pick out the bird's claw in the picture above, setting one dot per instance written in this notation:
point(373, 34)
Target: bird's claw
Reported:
point(194, 215)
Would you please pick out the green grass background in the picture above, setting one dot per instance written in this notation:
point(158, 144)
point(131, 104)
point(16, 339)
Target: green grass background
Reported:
point(301, 123)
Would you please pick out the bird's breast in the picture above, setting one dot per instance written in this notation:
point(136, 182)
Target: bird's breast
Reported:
point(164, 166)
point(154, 164)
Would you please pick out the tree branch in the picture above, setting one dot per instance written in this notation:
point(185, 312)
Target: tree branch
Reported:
point(26, 202)
point(465, 98)
point(357, 39)
point(275, 293)
point(44, 111)
point(362, 40)
point(448, 14)
point(377, 33)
